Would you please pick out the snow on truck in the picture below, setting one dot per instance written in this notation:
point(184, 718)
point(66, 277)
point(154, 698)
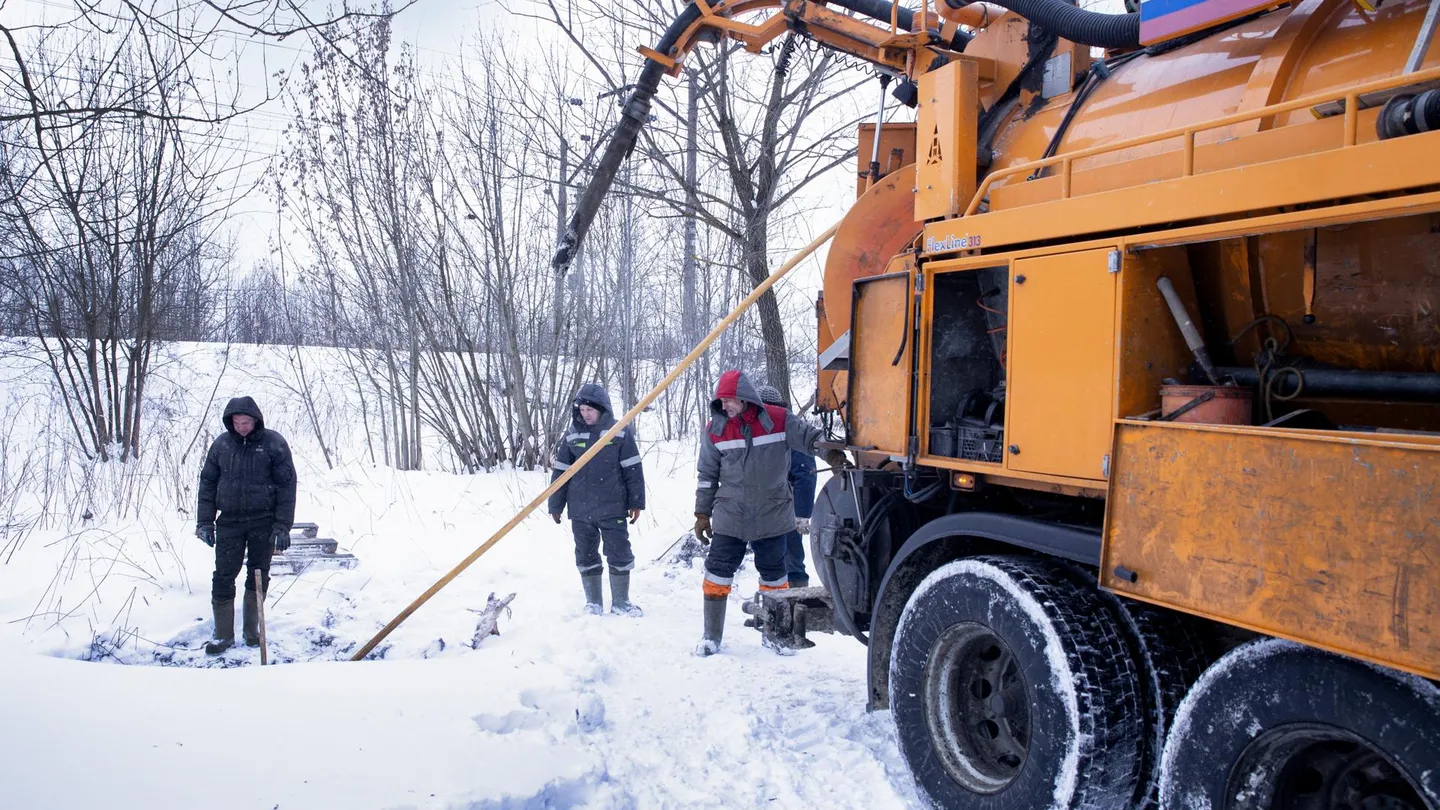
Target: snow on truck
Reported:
point(1134, 337)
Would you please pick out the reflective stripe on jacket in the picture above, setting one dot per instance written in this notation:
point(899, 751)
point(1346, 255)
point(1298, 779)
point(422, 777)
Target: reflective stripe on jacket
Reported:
point(744, 464)
point(613, 482)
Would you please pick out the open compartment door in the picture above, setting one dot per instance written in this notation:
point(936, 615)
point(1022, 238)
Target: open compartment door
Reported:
point(1325, 538)
point(881, 345)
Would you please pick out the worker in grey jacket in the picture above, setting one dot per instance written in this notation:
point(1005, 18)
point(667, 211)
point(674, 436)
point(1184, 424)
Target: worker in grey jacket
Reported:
point(600, 496)
point(743, 493)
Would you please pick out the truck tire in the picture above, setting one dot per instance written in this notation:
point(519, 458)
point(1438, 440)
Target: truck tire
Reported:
point(1171, 653)
point(1012, 689)
point(1280, 726)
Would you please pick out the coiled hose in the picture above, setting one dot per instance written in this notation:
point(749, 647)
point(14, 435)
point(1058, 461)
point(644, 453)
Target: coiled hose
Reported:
point(1075, 24)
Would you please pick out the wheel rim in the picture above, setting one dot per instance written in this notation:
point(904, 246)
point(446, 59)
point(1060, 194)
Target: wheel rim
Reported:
point(977, 707)
point(1308, 766)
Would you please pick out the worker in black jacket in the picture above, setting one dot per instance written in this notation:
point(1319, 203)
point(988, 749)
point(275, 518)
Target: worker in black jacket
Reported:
point(600, 496)
point(249, 479)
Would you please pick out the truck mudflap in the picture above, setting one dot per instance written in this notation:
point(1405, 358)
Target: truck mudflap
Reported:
point(784, 617)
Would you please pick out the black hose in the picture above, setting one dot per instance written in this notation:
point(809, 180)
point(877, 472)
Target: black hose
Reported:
point(1075, 24)
point(634, 116)
point(879, 10)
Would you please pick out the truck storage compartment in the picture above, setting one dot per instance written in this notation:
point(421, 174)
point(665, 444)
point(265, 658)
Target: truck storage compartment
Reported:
point(967, 373)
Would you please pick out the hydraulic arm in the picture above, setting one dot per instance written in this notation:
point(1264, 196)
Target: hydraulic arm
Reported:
point(899, 42)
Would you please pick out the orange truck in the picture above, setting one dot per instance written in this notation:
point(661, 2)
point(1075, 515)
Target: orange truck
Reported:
point(1134, 337)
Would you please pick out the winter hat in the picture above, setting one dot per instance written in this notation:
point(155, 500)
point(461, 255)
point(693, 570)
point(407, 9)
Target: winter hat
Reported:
point(770, 395)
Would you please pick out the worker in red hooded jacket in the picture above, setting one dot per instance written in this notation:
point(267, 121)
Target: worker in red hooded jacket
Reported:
point(743, 493)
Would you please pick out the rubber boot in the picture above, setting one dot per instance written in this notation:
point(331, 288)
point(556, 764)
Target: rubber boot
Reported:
point(251, 612)
point(224, 627)
point(594, 599)
point(714, 626)
point(799, 582)
point(620, 603)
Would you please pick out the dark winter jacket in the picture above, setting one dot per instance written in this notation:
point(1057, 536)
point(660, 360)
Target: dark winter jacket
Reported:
point(612, 483)
point(744, 465)
point(248, 479)
point(802, 483)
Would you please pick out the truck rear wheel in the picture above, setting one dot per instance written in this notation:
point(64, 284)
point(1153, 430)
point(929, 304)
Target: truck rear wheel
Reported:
point(1274, 725)
point(1011, 687)
point(1171, 653)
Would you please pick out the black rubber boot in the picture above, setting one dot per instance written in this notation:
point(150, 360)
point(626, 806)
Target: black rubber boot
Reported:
point(620, 603)
point(594, 598)
point(251, 627)
point(224, 627)
point(714, 626)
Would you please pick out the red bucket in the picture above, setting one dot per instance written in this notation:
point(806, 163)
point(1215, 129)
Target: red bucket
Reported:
point(1225, 405)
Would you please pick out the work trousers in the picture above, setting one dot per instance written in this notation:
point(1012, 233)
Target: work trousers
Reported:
point(726, 553)
point(795, 557)
point(251, 543)
point(615, 535)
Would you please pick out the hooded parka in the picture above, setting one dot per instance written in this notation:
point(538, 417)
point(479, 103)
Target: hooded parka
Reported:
point(612, 483)
point(744, 464)
point(247, 479)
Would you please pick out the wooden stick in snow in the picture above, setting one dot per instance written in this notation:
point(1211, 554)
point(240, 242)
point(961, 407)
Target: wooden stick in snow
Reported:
point(260, 607)
point(595, 448)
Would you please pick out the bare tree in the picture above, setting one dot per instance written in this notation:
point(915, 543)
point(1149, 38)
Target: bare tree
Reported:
point(179, 40)
point(769, 128)
point(111, 227)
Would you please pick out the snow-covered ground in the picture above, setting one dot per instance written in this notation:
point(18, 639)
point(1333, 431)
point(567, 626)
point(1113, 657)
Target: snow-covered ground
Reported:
point(106, 698)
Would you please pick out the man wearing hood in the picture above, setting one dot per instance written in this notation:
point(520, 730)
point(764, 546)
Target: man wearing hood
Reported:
point(249, 479)
point(610, 487)
point(743, 493)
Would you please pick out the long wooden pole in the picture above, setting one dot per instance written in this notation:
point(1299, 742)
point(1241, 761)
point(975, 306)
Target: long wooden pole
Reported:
point(260, 613)
point(629, 417)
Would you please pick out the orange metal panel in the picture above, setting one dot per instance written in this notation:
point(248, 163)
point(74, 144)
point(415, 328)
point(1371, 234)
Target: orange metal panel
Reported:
point(945, 140)
point(1060, 368)
point(897, 149)
point(878, 226)
point(1329, 541)
point(880, 349)
point(1372, 168)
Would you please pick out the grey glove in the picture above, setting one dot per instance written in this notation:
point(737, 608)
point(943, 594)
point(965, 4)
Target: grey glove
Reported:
point(282, 540)
point(802, 525)
point(206, 535)
point(836, 459)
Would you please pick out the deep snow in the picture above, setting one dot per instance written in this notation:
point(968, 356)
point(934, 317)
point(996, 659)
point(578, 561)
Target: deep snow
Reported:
point(561, 710)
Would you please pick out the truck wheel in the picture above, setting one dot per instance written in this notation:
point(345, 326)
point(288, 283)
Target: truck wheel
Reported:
point(1275, 725)
point(1011, 687)
point(1171, 653)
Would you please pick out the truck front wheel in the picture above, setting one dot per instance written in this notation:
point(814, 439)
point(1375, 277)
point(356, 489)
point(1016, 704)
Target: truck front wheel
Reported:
point(1011, 687)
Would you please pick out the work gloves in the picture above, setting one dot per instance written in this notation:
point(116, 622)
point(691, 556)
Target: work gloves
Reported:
point(836, 459)
point(802, 525)
point(555, 516)
point(206, 535)
point(702, 529)
point(282, 540)
point(634, 516)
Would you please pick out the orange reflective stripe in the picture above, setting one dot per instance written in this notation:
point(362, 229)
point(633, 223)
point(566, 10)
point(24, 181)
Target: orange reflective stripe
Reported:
point(781, 587)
